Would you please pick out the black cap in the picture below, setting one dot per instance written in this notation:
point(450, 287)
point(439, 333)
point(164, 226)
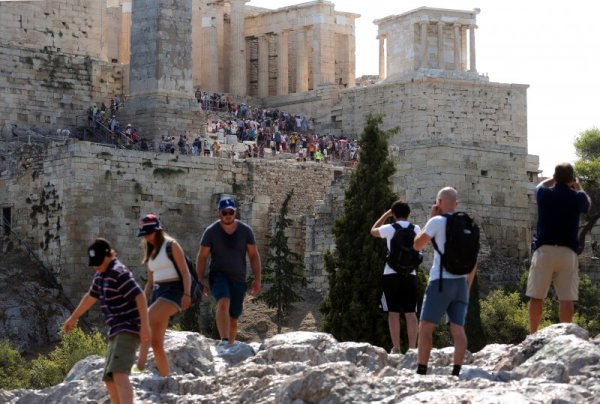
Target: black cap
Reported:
point(99, 249)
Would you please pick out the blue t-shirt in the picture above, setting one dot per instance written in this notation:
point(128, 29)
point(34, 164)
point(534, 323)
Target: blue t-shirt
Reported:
point(559, 208)
point(117, 289)
point(228, 251)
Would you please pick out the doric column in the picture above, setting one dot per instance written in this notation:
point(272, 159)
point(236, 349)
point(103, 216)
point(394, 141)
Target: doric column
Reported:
point(237, 57)
point(457, 46)
point(351, 39)
point(323, 59)
point(125, 39)
point(473, 64)
point(440, 44)
point(282, 63)
point(209, 58)
point(263, 66)
point(381, 57)
point(424, 62)
point(301, 62)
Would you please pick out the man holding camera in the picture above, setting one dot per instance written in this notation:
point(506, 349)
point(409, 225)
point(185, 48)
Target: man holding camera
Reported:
point(560, 201)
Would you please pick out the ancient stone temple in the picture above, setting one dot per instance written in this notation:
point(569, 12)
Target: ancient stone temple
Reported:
point(454, 126)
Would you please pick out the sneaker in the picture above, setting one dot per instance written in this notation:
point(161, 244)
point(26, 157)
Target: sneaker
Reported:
point(395, 351)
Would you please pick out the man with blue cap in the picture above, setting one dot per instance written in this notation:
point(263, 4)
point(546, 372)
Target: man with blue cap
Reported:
point(227, 241)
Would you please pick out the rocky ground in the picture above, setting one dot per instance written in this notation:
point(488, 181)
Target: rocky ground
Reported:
point(559, 364)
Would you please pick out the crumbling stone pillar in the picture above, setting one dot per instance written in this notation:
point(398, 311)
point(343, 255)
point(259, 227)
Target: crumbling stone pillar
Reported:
point(457, 46)
point(263, 66)
point(424, 54)
point(381, 57)
point(282, 63)
point(237, 56)
point(301, 61)
point(440, 44)
point(161, 99)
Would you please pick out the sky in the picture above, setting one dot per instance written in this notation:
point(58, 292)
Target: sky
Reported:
point(552, 46)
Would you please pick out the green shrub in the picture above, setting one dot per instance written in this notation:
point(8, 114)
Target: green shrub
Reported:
point(74, 346)
point(14, 372)
point(504, 317)
point(587, 308)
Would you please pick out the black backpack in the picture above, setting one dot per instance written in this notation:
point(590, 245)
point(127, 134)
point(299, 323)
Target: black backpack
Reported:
point(462, 244)
point(196, 288)
point(402, 257)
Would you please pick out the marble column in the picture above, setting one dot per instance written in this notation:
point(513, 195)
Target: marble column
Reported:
point(424, 54)
point(125, 38)
point(263, 66)
point(440, 45)
point(381, 57)
point(472, 60)
point(301, 61)
point(282, 63)
point(457, 46)
point(237, 56)
point(323, 59)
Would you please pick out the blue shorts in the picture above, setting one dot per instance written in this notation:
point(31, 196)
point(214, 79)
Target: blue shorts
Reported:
point(171, 292)
point(452, 300)
point(221, 287)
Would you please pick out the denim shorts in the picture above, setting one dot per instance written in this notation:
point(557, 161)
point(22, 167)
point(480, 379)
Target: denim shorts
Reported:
point(221, 287)
point(171, 292)
point(452, 300)
point(120, 354)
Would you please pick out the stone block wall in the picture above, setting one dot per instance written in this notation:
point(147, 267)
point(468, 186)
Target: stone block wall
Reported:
point(72, 26)
point(48, 89)
point(63, 197)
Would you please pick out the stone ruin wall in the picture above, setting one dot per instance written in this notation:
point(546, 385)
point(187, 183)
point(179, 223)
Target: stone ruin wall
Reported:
point(53, 63)
point(65, 196)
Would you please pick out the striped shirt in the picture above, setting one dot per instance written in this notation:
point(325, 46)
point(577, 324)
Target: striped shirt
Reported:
point(117, 289)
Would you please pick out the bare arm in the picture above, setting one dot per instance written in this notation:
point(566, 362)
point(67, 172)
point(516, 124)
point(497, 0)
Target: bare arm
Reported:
point(421, 240)
point(145, 332)
point(255, 265)
point(203, 254)
point(184, 272)
point(85, 304)
point(148, 286)
point(547, 183)
point(471, 276)
point(379, 223)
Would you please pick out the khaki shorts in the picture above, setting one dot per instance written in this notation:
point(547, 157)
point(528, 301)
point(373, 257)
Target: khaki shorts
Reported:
point(120, 354)
point(556, 265)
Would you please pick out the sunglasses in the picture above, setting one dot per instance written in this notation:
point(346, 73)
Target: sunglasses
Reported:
point(228, 212)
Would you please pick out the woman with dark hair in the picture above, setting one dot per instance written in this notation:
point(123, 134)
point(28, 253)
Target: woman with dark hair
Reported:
point(167, 289)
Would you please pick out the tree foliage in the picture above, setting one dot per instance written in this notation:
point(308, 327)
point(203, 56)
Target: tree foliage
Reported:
point(587, 148)
point(350, 311)
point(283, 269)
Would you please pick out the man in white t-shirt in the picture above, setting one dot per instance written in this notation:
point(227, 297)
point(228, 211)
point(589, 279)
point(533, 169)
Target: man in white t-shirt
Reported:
point(453, 299)
point(399, 290)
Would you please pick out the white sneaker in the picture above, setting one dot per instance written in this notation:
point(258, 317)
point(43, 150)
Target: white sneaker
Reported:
point(395, 351)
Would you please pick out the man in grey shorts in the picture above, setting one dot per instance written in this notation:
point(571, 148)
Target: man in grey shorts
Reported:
point(454, 298)
point(227, 241)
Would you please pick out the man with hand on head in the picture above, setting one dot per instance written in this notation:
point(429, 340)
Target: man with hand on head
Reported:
point(560, 201)
point(227, 241)
point(125, 311)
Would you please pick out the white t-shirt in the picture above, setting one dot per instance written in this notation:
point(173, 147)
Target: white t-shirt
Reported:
point(436, 228)
point(387, 231)
point(162, 267)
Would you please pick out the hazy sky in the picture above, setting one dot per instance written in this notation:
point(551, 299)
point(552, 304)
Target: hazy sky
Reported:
point(552, 46)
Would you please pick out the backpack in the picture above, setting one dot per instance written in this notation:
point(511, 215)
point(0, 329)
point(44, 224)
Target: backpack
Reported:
point(196, 287)
point(402, 257)
point(462, 244)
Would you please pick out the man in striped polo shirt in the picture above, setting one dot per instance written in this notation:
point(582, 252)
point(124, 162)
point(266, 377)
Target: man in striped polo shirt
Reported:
point(125, 311)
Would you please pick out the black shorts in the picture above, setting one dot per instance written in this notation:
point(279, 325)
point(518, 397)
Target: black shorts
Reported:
point(399, 293)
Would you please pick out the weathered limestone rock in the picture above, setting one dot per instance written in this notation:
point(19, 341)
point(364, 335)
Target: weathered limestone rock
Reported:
point(561, 366)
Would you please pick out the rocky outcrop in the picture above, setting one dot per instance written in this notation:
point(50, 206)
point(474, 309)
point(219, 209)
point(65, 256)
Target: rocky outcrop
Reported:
point(557, 364)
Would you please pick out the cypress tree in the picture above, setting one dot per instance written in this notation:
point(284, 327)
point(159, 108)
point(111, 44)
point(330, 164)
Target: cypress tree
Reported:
point(282, 270)
point(354, 269)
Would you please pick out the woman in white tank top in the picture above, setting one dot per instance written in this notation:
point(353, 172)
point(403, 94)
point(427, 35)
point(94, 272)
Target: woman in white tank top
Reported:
point(166, 290)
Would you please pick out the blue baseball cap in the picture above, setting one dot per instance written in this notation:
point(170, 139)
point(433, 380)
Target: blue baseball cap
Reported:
point(227, 203)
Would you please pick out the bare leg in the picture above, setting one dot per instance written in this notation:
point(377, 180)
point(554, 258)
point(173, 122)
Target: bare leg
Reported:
point(124, 388)
point(412, 329)
point(425, 341)
point(394, 326)
point(142, 355)
point(159, 314)
point(460, 342)
point(536, 307)
point(112, 392)
point(566, 310)
point(222, 317)
point(232, 329)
